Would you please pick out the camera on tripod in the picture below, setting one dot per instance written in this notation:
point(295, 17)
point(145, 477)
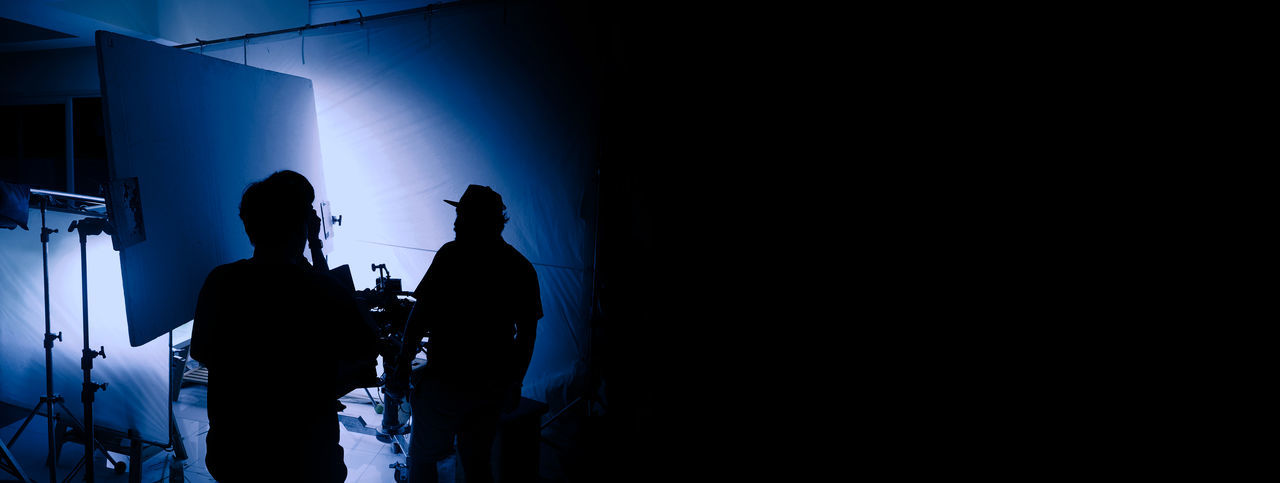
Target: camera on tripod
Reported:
point(385, 284)
point(388, 311)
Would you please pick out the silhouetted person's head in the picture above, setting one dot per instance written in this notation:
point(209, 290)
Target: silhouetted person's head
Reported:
point(481, 214)
point(275, 212)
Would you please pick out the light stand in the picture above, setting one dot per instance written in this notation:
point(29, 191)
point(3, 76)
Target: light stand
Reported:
point(89, 227)
point(49, 398)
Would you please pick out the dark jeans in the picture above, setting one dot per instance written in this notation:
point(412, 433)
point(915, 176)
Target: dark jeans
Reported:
point(441, 411)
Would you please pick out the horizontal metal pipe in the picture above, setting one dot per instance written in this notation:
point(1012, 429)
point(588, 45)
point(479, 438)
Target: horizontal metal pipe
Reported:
point(360, 20)
point(73, 196)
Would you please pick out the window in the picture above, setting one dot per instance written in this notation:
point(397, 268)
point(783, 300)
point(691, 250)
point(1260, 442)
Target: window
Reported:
point(33, 146)
point(90, 164)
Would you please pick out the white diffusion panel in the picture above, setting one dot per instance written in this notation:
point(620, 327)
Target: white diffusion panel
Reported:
point(194, 131)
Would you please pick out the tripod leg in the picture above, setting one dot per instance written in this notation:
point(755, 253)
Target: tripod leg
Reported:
point(10, 464)
point(59, 439)
point(135, 457)
point(75, 423)
point(26, 422)
point(376, 404)
point(175, 471)
point(179, 449)
point(75, 470)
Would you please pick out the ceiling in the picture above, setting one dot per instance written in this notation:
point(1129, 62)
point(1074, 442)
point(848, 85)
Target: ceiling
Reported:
point(15, 32)
point(58, 24)
point(48, 24)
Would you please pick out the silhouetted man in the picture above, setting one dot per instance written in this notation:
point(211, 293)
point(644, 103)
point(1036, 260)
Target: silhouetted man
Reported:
point(479, 304)
point(272, 330)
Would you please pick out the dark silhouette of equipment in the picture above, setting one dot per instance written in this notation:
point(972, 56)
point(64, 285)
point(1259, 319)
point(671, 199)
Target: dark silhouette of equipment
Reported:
point(387, 308)
point(90, 227)
point(9, 464)
point(388, 312)
point(84, 431)
point(48, 399)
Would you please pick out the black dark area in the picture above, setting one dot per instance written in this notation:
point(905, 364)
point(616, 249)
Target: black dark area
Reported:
point(90, 146)
point(33, 145)
point(13, 31)
point(660, 327)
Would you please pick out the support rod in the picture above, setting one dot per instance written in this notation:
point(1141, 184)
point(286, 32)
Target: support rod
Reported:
point(73, 196)
point(359, 21)
point(86, 228)
point(86, 363)
point(48, 341)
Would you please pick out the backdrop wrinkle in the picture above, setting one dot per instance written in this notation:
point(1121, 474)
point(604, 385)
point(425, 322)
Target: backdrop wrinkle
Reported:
point(137, 394)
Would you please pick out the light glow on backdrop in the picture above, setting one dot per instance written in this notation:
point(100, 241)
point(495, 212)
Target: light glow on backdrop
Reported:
point(412, 111)
point(137, 394)
point(409, 112)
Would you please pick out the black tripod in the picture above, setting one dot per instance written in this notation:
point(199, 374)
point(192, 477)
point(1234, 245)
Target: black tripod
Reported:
point(10, 465)
point(89, 227)
point(49, 399)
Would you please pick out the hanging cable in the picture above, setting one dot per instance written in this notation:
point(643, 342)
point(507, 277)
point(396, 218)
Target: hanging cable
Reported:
point(366, 32)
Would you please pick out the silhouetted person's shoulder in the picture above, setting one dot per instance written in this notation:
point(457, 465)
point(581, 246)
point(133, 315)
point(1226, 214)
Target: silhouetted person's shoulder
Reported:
point(516, 257)
point(521, 267)
point(246, 270)
point(500, 252)
point(327, 286)
point(224, 273)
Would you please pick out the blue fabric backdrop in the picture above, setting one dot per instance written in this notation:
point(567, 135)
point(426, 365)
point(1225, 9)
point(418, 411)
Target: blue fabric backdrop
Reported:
point(412, 110)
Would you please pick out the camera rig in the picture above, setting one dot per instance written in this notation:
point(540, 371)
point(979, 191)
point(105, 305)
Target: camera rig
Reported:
point(388, 310)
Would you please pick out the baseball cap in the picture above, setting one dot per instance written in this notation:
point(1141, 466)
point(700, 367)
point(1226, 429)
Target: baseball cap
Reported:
point(480, 199)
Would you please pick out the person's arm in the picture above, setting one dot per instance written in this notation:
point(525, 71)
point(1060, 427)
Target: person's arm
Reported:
point(313, 241)
point(204, 346)
point(414, 330)
point(401, 368)
point(418, 324)
point(526, 333)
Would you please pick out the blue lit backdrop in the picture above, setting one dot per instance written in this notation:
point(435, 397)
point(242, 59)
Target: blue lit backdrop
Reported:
point(411, 111)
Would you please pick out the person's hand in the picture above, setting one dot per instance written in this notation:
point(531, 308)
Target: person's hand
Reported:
point(313, 226)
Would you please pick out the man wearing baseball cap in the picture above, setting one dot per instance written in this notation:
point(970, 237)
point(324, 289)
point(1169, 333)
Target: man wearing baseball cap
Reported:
point(479, 304)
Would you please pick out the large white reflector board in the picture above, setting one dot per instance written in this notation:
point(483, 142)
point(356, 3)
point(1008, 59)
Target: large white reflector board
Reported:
point(194, 131)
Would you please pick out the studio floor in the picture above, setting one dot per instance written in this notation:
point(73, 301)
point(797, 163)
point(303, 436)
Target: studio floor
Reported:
point(367, 459)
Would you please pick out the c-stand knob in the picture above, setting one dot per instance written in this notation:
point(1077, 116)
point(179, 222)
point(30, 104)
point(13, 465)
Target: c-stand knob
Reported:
point(88, 388)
